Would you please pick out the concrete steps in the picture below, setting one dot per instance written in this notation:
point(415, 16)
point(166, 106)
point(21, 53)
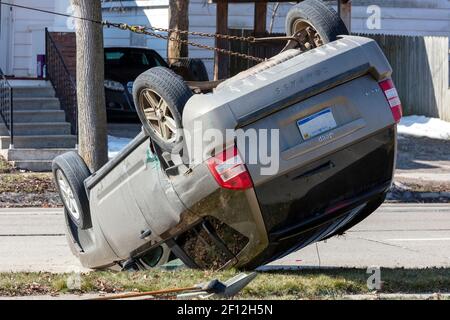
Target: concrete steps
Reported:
point(42, 158)
point(39, 103)
point(33, 91)
point(36, 154)
point(33, 165)
point(40, 141)
point(39, 116)
point(40, 129)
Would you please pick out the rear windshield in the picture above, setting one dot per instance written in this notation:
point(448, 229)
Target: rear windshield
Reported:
point(136, 59)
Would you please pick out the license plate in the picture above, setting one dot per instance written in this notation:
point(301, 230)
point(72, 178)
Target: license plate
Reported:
point(317, 124)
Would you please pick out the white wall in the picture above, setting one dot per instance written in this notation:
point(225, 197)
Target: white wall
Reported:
point(27, 31)
point(5, 39)
point(408, 17)
point(420, 17)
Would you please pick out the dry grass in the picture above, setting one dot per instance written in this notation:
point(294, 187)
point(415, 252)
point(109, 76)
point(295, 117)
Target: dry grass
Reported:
point(306, 284)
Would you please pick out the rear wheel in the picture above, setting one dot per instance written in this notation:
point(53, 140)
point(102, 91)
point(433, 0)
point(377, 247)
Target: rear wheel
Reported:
point(160, 96)
point(314, 23)
point(70, 171)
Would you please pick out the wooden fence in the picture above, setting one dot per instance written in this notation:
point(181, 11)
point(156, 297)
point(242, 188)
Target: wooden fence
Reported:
point(266, 50)
point(420, 64)
point(421, 72)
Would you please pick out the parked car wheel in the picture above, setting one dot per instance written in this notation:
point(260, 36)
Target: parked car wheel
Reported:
point(197, 70)
point(315, 22)
point(70, 171)
point(160, 96)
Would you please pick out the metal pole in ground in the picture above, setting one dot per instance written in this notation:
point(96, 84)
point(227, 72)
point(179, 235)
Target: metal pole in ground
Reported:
point(11, 118)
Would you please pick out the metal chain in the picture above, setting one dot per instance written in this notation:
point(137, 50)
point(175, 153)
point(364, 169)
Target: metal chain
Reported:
point(145, 30)
point(250, 39)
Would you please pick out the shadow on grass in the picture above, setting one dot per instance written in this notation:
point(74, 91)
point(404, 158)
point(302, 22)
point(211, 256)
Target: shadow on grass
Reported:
point(354, 280)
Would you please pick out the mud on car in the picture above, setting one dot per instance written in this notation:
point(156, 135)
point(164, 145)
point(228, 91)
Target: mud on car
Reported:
point(331, 100)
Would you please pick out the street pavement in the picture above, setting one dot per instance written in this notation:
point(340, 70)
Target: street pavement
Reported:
point(397, 235)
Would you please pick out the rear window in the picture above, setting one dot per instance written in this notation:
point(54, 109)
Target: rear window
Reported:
point(136, 59)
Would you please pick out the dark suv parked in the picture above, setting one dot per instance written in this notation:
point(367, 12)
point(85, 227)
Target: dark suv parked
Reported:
point(124, 64)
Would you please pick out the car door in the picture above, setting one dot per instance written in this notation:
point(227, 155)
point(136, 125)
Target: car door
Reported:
point(113, 200)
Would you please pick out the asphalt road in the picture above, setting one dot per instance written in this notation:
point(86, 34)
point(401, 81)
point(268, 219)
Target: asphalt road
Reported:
point(410, 236)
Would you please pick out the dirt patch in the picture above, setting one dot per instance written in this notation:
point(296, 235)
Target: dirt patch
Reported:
point(24, 189)
point(415, 193)
point(30, 200)
point(5, 167)
point(38, 183)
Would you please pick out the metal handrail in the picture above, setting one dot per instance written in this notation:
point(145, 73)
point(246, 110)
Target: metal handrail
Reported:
point(65, 86)
point(7, 106)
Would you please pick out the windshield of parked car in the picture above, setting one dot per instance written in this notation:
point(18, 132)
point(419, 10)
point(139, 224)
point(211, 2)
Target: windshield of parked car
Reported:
point(133, 59)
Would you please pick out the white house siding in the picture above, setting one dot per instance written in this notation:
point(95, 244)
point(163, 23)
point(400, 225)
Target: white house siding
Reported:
point(409, 17)
point(406, 17)
point(27, 25)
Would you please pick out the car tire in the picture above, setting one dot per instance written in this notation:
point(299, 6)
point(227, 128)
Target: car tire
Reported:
point(70, 171)
point(197, 70)
point(160, 96)
point(325, 21)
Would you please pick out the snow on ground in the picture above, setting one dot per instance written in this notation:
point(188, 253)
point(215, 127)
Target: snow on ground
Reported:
point(421, 126)
point(115, 145)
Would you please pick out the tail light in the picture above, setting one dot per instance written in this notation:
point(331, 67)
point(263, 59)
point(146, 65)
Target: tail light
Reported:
point(391, 94)
point(229, 170)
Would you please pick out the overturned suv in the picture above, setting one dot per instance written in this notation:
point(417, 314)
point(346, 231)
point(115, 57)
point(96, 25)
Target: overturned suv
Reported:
point(332, 113)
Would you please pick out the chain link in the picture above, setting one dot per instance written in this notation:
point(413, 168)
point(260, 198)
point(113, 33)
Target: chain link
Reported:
point(250, 39)
point(145, 30)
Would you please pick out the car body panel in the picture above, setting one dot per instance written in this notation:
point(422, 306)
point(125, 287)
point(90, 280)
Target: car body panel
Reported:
point(324, 182)
point(121, 203)
point(268, 90)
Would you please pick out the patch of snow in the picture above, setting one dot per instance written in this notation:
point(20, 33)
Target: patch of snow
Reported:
point(421, 126)
point(116, 144)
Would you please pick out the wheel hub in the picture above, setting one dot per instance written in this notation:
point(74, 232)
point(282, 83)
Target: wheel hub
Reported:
point(67, 195)
point(309, 37)
point(158, 115)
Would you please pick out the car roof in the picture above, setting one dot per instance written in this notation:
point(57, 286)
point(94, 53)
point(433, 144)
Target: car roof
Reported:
point(129, 48)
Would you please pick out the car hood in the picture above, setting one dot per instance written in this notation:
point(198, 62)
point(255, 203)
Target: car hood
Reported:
point(122, 75)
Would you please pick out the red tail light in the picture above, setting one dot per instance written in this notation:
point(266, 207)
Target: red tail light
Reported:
point(391, 94)
point(230, 171)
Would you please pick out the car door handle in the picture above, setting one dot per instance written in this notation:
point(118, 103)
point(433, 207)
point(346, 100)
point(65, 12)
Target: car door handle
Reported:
point(145, 234)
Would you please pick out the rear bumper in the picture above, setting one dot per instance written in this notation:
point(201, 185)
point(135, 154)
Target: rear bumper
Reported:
point(326, 197)
point(294, 209)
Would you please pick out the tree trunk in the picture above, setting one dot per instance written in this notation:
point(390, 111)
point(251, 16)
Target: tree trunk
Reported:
point(92, 125)
point(178, 19)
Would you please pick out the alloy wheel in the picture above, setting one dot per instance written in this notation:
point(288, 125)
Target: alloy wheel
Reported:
point(67, 195)
point(158, 115)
